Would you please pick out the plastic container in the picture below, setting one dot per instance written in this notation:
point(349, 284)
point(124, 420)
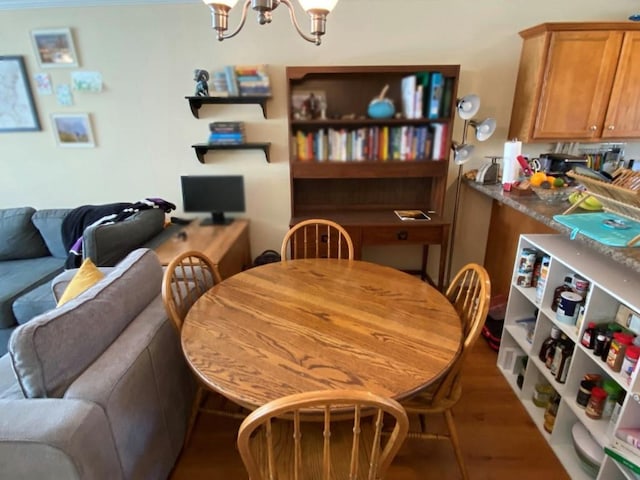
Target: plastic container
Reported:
point(596, 403)
point(631, 356)
point(617, 350)
point(589, 452)
point(542, 394)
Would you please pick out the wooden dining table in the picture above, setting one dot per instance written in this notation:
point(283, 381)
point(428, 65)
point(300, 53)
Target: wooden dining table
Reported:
point(312, 324)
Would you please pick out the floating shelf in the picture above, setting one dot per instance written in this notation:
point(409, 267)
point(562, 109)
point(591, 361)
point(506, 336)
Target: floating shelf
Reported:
point(196, 102)
point(202, 148)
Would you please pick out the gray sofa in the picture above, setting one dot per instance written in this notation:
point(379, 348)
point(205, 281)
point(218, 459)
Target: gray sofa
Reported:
point(97, 388)
point(32, 253)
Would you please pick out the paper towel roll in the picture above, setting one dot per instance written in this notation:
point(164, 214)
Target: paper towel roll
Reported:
point(510, 166)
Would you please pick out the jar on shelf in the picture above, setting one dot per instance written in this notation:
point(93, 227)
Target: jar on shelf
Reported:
point(630, 361)
point(595, 406)
point(617, 350)
point(551, 412)
point(542, 394)
point(584, 393)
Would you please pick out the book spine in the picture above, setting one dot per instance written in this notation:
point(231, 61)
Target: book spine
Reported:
point(232, 81)
point(435, 94)
point(618, 457)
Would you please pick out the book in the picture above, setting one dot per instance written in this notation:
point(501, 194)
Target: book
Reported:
point(412, 215)
point(232, 81)
point(408, 89)
point(436, 86)
point(621, 457)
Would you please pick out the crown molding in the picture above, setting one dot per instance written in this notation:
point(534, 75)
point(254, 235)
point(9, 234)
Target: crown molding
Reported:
point(26, 4)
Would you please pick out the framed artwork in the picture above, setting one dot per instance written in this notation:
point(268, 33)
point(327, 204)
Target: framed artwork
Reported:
point(54, 48)
point(72, 130)
point(17, 110)
point(307, 105)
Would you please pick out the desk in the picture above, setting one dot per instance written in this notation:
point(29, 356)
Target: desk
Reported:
point(226, 245)
point(302, 325)
point(374, 227)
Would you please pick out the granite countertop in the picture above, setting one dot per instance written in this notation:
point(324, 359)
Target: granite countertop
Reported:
point(544, 212)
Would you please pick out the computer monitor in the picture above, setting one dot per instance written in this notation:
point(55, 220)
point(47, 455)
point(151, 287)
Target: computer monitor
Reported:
point(213, 194)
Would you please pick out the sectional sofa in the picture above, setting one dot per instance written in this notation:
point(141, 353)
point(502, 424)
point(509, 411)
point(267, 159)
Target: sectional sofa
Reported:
point(32, 253)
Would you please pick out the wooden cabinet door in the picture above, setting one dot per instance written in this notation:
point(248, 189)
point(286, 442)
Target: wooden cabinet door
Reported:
point(576, 86)
point(623, 116)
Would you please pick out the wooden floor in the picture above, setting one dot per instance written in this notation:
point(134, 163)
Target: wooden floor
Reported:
point(499, 441)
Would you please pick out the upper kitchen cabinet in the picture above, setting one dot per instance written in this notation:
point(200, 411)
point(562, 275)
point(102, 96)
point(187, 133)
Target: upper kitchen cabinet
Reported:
point(578, 82)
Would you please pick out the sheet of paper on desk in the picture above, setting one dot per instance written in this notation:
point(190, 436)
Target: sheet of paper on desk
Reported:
point(412, 215)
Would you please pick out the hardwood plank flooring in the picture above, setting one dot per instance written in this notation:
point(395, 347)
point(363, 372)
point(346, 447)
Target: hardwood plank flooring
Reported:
point(499, 440)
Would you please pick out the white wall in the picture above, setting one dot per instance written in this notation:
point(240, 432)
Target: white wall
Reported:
point(147, 54)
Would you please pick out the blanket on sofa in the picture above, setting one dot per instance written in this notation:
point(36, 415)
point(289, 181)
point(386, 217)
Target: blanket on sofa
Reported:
point(80, 218)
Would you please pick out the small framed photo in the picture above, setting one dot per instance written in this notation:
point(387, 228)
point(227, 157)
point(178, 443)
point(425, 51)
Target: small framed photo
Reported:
point(72, 130)
point(54, 48)
point(308, 105)
point(17, 110)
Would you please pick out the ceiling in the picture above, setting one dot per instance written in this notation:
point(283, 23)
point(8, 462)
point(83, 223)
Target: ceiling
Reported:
point(22, 4)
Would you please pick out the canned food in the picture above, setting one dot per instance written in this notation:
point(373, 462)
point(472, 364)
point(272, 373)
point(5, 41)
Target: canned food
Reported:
point(580, 284)
point(527, 260)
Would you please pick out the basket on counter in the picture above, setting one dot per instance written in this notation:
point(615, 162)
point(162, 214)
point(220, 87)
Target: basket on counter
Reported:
point(553, 195)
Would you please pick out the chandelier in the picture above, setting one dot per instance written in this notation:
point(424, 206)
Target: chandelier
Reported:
point(317, 10)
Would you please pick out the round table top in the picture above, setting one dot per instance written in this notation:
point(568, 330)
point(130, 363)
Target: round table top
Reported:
point(302, 325)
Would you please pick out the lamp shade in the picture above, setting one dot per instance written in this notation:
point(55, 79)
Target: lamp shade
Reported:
point(484, 129)
point(227, 3)
point(468, 106)
point(461, 153)
point(327, 5)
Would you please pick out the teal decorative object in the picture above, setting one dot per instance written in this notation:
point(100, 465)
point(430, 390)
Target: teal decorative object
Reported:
point(381, 107)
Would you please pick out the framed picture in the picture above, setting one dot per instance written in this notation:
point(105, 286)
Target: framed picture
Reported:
point(17, 111)
point(307, 104)
point(54, 48)
point(72, 130)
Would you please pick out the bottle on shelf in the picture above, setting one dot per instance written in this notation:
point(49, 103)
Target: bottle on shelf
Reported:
point(565, 362)
point(548, 344)
point(596, 403)
point(565, 287)
point(584, 392)
point(589, 336)
point(608, 329)
point(558, 354)
point(551, 412)
point(630, 361)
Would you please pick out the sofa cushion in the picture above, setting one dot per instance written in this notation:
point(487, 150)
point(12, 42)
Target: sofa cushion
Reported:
point(86, 277)
point(19, 237)
point(49, 224)
point(9, 387)
point(52, 350)
point(17, 277)
point(34, 303)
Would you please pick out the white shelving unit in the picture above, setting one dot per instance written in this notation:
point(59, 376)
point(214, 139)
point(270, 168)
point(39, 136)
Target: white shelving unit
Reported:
point(611, 284)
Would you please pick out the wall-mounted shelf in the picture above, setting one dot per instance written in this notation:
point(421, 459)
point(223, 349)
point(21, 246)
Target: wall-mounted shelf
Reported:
point(202, 148)
point(196, 102)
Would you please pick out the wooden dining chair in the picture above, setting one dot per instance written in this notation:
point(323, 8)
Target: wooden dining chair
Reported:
point(317, 238)
point(187, 277)
point(342, 437)
point(470, 294)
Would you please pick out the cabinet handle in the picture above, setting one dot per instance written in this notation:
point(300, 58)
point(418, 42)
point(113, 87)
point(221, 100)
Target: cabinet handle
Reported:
point(593, 128)
point(611, 127)
point(403, 235)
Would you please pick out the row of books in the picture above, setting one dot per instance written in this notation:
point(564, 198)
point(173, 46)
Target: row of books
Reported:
point(241, 81)
point(229, 133)
point(426, 95)
point(404, 143)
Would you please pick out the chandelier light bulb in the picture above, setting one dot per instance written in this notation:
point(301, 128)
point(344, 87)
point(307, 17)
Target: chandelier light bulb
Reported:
point(314, 5)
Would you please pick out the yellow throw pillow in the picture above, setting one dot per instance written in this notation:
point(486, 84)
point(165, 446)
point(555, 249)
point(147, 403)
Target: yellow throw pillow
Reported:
point(86, 276)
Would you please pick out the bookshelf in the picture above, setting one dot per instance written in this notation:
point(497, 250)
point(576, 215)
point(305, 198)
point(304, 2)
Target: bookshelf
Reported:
point(195, 103)
point(610, 285)
point(201, 149)
point(361, 191)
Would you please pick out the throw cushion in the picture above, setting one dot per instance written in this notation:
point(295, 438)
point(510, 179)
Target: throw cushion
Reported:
point(86, 276)
point(49, 223)
point(52, 350)
point(20, 237)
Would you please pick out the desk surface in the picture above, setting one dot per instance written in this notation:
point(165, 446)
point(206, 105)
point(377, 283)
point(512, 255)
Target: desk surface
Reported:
point(302, 325)
point(213, 240)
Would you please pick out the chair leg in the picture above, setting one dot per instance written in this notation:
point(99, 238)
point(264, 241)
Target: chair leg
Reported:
point(453, 435)
point(195, 408)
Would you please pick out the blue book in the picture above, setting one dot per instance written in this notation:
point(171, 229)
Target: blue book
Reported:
point(436, 87)
point(232, 80)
